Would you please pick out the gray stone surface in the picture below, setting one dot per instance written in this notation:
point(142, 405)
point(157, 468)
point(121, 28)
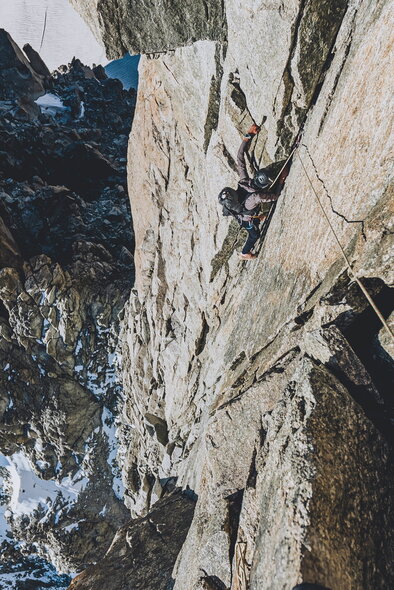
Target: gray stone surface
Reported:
point(151, 27)
point(202, 328)
point(143, 552)
point(17, 75)
point(258, 386)
point(314, 474)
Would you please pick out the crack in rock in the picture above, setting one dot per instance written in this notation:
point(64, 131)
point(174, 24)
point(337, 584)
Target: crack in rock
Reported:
point(361, 221)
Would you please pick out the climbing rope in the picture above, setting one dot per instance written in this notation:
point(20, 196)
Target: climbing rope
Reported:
point(239, 581)
point(358, 281)
point(271, 210)
point(284, 165)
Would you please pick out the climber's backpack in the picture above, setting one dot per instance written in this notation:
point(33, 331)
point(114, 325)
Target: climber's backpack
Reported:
point(233, 202)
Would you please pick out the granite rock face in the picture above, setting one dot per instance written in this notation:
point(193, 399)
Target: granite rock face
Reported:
point(265, 387)
point(143, 552)
point(66, 270)
point(152, 27)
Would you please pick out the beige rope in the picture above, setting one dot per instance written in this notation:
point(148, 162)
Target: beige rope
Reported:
point(363, 289)
point(239, 578)
point(283, 167)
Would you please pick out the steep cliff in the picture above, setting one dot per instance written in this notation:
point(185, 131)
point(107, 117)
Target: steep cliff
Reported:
point(66, 271)
point(265, 387)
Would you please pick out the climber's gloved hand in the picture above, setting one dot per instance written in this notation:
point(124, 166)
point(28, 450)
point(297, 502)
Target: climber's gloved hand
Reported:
point(253, 130)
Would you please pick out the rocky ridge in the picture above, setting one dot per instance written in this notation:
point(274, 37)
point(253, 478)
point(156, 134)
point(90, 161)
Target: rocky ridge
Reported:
point(19, 74)
point(265, 387)
point(66, 271)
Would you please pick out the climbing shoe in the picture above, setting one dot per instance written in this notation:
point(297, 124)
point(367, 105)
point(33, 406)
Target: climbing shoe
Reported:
point(248, 256)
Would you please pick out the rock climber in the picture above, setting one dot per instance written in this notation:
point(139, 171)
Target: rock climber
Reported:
point(244, 202)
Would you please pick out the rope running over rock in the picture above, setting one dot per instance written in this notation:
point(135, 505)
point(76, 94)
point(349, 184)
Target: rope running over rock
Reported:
point(240, 577)
point(358, 281)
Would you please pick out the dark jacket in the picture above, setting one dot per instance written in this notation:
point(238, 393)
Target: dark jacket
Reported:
point(256, 197)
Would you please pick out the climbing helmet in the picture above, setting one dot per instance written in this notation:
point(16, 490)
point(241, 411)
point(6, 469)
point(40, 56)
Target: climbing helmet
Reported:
point(261, 179)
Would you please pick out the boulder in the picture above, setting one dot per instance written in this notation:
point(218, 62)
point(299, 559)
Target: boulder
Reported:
point(17, 76)
point(36, 61)
point(143, 552)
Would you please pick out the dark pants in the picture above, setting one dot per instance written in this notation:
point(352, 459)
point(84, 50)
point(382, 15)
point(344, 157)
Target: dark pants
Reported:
point(252, 227)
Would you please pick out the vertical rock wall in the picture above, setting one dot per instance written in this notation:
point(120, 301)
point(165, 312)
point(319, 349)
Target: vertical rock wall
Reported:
point(263, 386)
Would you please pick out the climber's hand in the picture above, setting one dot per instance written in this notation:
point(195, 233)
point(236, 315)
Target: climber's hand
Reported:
point(254, 129)
point(262, 217)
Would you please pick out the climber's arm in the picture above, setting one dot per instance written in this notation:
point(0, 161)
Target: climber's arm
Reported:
point(241, 156)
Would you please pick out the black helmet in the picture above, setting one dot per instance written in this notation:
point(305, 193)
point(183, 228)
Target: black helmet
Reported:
point(261, 179)
point(224, 193)
point(228, 193)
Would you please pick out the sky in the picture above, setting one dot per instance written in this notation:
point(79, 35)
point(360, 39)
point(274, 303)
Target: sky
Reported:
point(66, 34)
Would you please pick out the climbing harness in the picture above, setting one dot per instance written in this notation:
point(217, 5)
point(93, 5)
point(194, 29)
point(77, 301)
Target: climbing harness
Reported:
point(358, 281)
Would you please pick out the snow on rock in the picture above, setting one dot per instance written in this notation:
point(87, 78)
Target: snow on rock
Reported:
point(31, 572)
point(19, 563)
point(124, 69)
point(82, 112)
point(71, 220)
point(29, 492)
point(4, 528)
point(51, 104)
point(110, 429)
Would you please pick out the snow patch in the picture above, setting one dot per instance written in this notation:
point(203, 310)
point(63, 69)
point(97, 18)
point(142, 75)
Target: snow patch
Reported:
point(45, 327)
point(124, 69)
point(110, 429)
point(33, 572)
point(28, 491)
point(42, 465)
point(4, 529)
point(78, 346)
point(51, 104)
point(71, 527)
